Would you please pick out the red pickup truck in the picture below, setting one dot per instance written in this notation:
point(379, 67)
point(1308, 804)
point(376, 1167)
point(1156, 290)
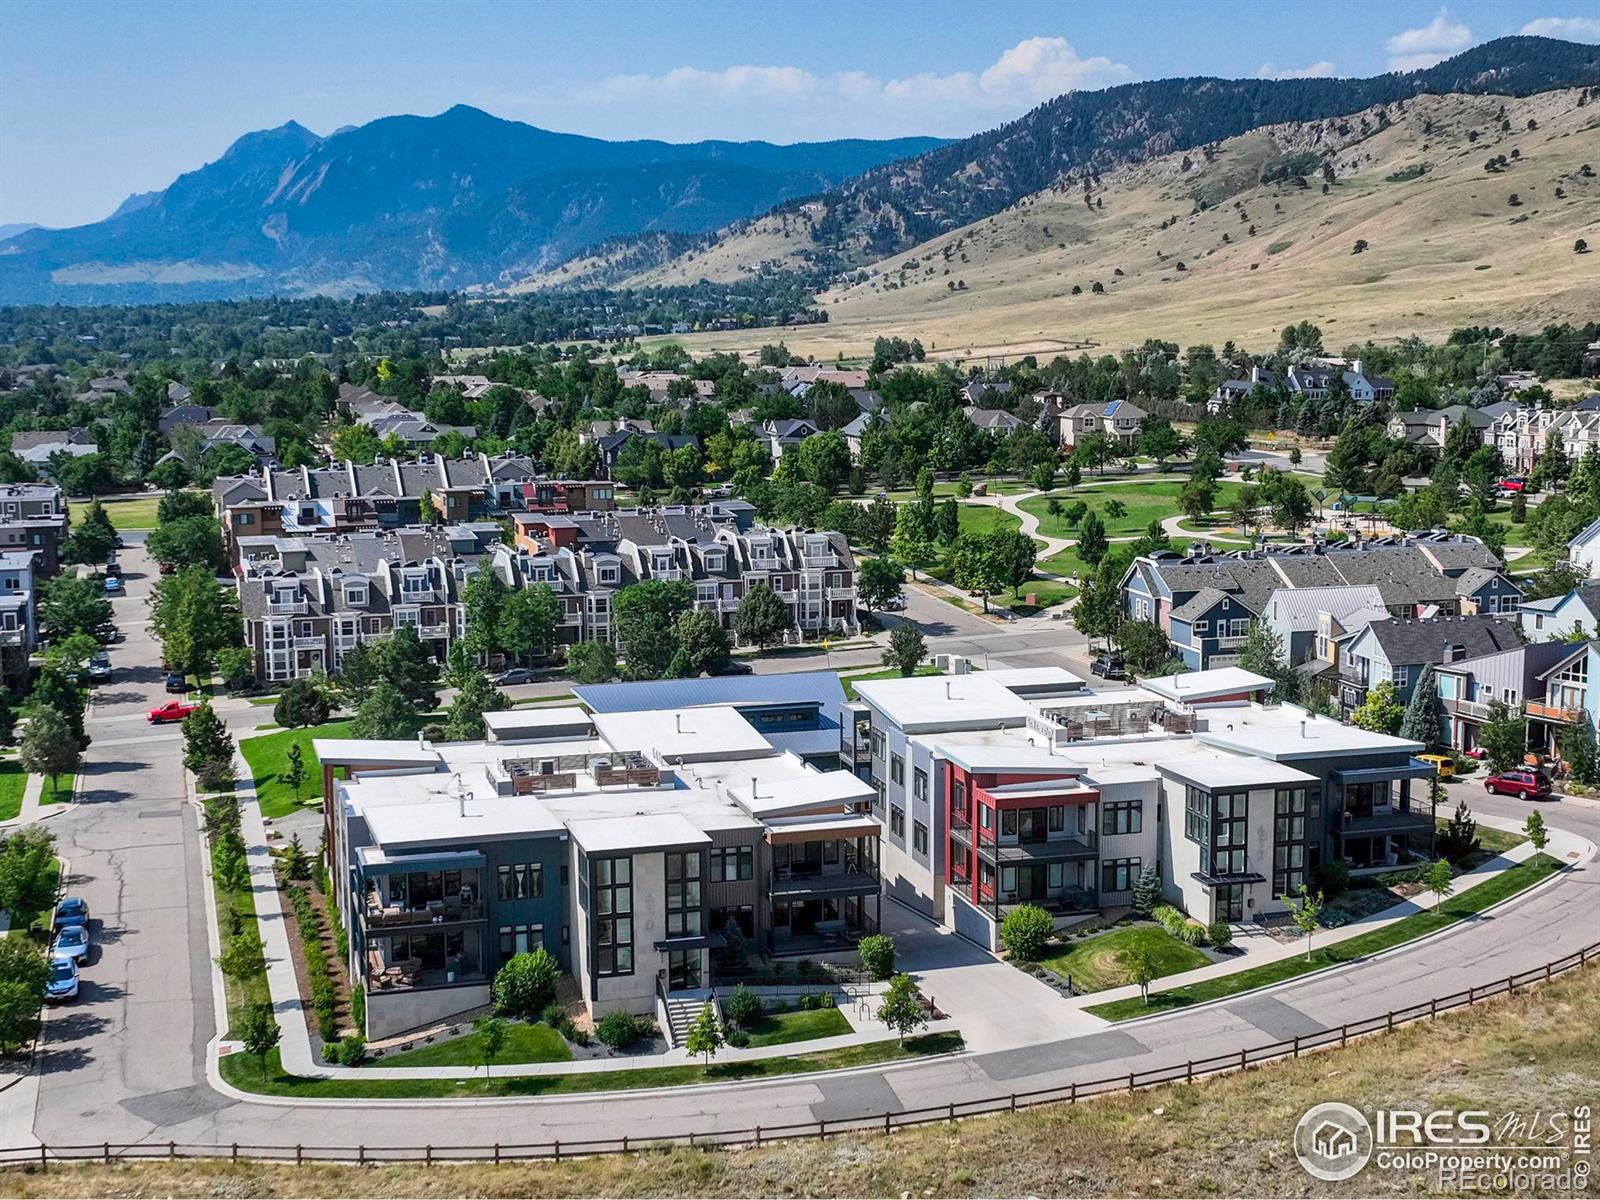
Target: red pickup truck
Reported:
point(172, 710)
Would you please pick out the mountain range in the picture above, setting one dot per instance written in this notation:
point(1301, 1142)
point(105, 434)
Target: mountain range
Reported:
point(448, 201)
point(467, 199)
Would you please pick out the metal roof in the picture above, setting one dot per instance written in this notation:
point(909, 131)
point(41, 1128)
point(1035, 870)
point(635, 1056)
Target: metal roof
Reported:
point(741, 691)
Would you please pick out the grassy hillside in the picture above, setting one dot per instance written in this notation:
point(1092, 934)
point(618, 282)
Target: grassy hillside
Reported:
point(1445, 245)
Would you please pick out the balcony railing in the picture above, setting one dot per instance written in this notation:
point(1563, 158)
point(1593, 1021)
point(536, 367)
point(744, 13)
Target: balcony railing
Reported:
point(433, 632)
point(852, 873)
point(286, 607)
point(1468, 708)
point(1382, 821)
point(310, 643)
point(435, 913)
point(1554, 712)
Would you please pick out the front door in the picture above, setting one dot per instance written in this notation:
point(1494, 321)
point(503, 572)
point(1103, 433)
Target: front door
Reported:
point(1023, 883)
point(683, 970)
point(1230, 903)
point(1035, 827)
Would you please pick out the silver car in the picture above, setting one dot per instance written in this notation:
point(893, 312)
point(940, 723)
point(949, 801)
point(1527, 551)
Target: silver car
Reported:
point(72, 942)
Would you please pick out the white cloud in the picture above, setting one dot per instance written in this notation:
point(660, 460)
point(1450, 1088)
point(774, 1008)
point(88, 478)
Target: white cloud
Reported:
point(1573, 29)
point(1317, 70)
point(1414, 49)
point(1032, 71)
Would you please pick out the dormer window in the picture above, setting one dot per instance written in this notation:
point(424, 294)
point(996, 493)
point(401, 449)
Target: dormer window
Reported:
point(355, 595)
point(714, 561)
point(608, 573)
point(661, 562)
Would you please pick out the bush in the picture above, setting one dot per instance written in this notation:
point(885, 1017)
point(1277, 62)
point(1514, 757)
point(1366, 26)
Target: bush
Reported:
point(1220, 934)
point(553, 1015)
point(525, 984)
point(1333, 878)
point(1025, 931)
point(351, 1050)
point(825, 1000)
point(1191, 933)
point(737, 1038)
point(1169, 918)
point(302, 702)
point(877, 956)
point(617, 1029)
point(743, 1007)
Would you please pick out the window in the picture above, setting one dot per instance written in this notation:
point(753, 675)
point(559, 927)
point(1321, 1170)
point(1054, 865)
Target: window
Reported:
point(897, 821)
point(1289, 853)
point(521, 881)
point(1008, 822)
point(520, 939)
point(878, 742)
point(732, 864)
point(1058, 818)
point(1123, 816)
point(1197, 816)
point(897, 769)
point(683, 894)
point(1401, 676)
point(1200, 627)
point(613, 907)
point(958, 794)
point(919, 783)
point(919, 837)
point(1119, 874)
point(1229, 831)
point(985, 816)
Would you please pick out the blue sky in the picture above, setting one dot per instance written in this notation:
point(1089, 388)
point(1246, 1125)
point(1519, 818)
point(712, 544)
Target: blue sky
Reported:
point(99, 100)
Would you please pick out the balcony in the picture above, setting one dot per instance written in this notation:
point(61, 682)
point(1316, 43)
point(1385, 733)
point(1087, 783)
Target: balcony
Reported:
point(853, 873)
point(1545, 711)
point(433, 633)
point(310, 643)
point(435, 912)
point(1071, 902)
point(422, 595)
point(1468, 708)
point(1381, 821)
point(284, 608)
point(1074, 846)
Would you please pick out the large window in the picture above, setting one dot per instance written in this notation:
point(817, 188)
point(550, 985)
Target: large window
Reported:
point(1122, 816)
point(520, 939)
point(897, 769)
point(1119, 874)
point(919, 837)
point(958, 796)
point(897, 821)
point(520, 881)
point(1291, 831)
point(1197, 816)
point(732, 864)
point(613, 924)
point(1229, 829)
point(919, 783)
point(683, 894)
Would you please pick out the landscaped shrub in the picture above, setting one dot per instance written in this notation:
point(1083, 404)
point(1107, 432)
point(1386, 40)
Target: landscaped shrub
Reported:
point(1220, 934)
point(617, 1029)
point(526, 984)
point(737, 1038)
point(352, 1049)
point(1025, 931)
point(825, 1000)
point(1147, 891)
point(743, 1007)
point(1191, 933)
point(553, 1015)
point(877, 956)
point(1169, 918)
point(1333, 878)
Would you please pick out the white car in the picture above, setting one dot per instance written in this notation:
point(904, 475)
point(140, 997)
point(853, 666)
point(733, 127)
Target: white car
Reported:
point(62, 982)
point(72, 943)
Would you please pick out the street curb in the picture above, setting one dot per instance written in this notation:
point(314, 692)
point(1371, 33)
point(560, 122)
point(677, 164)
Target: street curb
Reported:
point(1561, 871)
point(44, 1026)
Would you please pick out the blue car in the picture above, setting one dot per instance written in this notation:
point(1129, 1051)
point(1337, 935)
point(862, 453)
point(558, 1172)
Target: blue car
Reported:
point(113, 584)
point(62, 982)
point(74, 910)
point(72, 943)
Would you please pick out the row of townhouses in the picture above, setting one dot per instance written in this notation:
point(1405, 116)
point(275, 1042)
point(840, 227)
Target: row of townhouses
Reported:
point(1310, 380)
point(665, 831)
point(33, 525)
point(307, 600)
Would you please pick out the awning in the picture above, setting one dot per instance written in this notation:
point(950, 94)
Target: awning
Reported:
point(783, 831)
point(1413, 769)
point(374, 862)
point(1228, 880)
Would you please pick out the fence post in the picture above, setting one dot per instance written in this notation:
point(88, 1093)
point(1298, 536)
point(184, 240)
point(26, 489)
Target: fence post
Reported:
point(1243, 1062)
point(886, 1120)
point(1013, 1102)
point(107, 1149)
point(236, 1152)
point(558, 1146)
point(1391, 1020)
point(44, 1162)
point(172, 1151)
point(1072, 1097)
point(1547, 972)
point(361, 1156)
point(1130, 1081)
point(427, 1152)
point(1188, 1073)
point(758, 1135)
point(1344, 1035)
point(1297, 1045)
point(299, 1154)
point(1472, 995)
point(1433, 1007)
point(822, 1130)
point(624, 1143)
point(497, 1153)
point(952, 1111)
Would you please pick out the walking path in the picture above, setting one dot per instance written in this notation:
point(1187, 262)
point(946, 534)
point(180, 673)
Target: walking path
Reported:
point(31, 809)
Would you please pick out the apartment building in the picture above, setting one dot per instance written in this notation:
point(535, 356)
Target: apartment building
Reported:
point(638, 848)
point(33, 518)
point(19, 615)
point(307, 601)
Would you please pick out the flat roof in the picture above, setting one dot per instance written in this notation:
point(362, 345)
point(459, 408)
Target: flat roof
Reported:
point(716, 731)
point(514, 722)
point(342, 752)
point(799, 793)
point(1204, 685)
point(1286, 732)
point(932, 703)
point(1014, 755)
point(444, 820)
point(1034, 680)
point(607, 835)
point(1222, 771)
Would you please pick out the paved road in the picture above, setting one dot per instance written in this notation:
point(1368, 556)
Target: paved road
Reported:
point(125, 1064)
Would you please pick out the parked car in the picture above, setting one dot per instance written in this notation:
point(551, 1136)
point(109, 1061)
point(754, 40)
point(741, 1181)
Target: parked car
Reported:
point(100, 667)
point(1525, 785)
point(1443, 764)
point(172, 710)
point(175, 682)
point(113, 584)
point(1478, 753)
point(513, 675)
point(732, 666)
point(1109, 666)
point(74, 910)
point(1513, 484)
point(72, 942)
point(895, 603)
point(62, 981)
point(113, 567)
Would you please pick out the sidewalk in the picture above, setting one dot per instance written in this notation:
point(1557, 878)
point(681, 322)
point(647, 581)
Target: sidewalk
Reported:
point(31, 810)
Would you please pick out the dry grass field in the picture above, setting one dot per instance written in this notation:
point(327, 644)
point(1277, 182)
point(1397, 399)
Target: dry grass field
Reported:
point(1445, 245)
point(1227, 1136)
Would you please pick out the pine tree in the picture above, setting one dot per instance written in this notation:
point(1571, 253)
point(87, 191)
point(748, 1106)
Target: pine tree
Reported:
point(1424, 713)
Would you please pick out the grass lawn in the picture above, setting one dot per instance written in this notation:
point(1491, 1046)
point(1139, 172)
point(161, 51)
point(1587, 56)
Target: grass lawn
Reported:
point(802, 1025)
point(986, 518)
point(244, 1072)
point(1045, 592)
point(524, 1044)
point(268, 756)
point(1496, 841)
point(1458, 908)
point(1144, 501)
point(13, 780)
point(885, 673)
point(252, 990)
point(24, 919)
point(59, 792)
point(1067, 562)
point(1094, 963)
point(139, 513)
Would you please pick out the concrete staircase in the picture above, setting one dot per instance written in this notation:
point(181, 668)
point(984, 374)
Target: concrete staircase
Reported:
point(681, 1009)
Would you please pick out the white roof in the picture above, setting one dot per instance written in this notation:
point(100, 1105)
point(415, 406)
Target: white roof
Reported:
point(1288, 732)
point(1036, 679)
point(340, 752)
point(712, 732)
point(1011, 755)
point(530, 722)
point(1221, 771)
point(839, 824)
point(931, 703)
point(1204, 685)
point(440, 819)
point(819, 789)
point(605, 835)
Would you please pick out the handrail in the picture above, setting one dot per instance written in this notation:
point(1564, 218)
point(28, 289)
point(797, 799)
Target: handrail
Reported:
point(885, 1122)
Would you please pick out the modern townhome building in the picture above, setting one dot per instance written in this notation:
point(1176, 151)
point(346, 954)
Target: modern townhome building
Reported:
point(640, 848)
point(1574, 615)
point(307, 601)
point(1204, 602)
point(33, 517)
point(1564, 697)
point(19, 615)
point(1517, 678)
point(352, 497)
point(1397, 649)
point(589, 557)
point(1118, 419)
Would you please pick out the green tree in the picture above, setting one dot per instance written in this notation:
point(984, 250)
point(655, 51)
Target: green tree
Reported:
point(1044, 476)
point(1139, 967)
point(384, 715)
point(1092, 543)
point(1147, 890)
point(1305, 910)
point(1262, 654)
point(90, 541)
point(236, 665)
point(69, 605)
point(914, 534)
point(906, 650)
point(243, 956)
point(458, 665)
point(1055, 508)
point(1144, 647)
point(528, 620)
point(702, 644)
point(1577, 746)
point(1115, 510)
point(295, 773)
point(409, 667)
point(1440, 879)
point(877, 956)
point(644, 617)
point(28, 871)
point(1025, 932)
point(976, 566)
point(1158, 440)
point(189, 541)
point(1198, 498)
point(359, 672)
point(259, 1034)
point(1424, 715)
point(825, 460)
point(1537, 833)
point(705, 1036)
point(464, 722)
point(526, 983)
point(491, 1033)
point(206, 739)
point(1381, 711)
point(1503, 736)
point(876, 524)
point(55, 689)
point(903, 1009)
point(591, 662)
point(23, 972)
point(49, 746)
point(303, 702)
point(878, 581)
point(948, 527)
point(195, 618)
point(761, 618)
point(482, 597)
